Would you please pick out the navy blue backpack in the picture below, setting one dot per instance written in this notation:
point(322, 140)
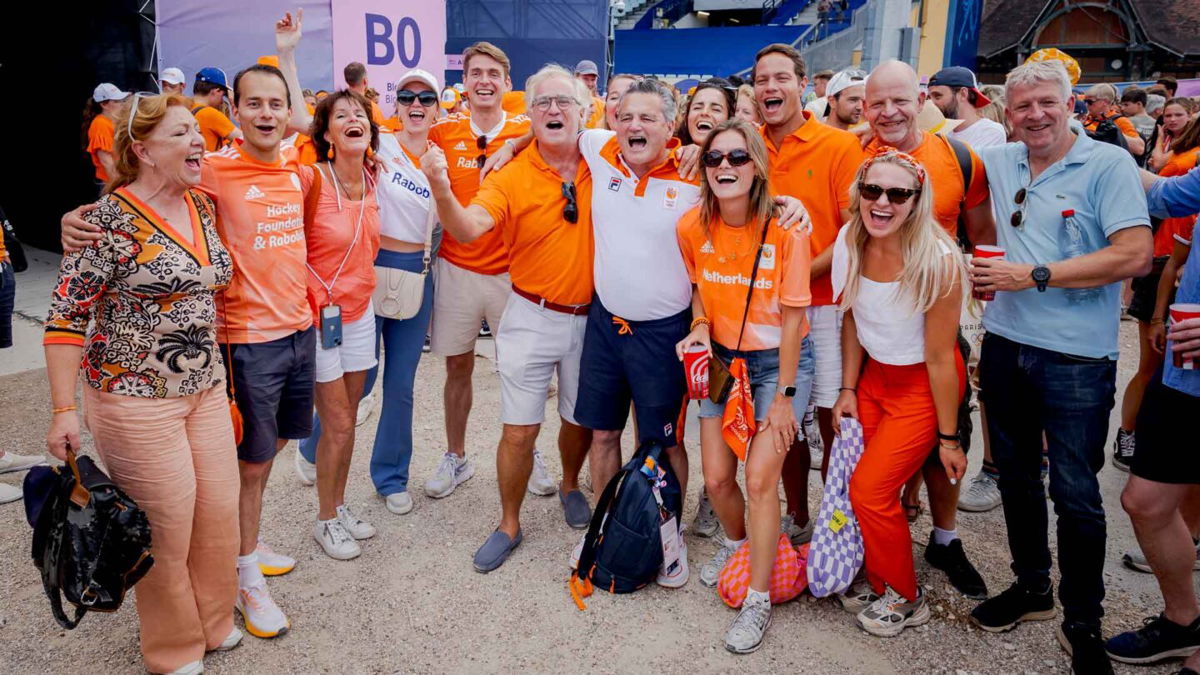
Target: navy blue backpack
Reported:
point(622, 550)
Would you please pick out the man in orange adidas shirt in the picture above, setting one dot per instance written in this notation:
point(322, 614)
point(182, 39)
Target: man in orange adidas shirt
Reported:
point(472, 282)
point(894, 100)
point(264, 319)
point(540, 205)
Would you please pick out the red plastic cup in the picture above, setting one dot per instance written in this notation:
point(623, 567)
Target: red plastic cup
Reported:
point(1180, 311)
point(986, 251)
point(695, 367)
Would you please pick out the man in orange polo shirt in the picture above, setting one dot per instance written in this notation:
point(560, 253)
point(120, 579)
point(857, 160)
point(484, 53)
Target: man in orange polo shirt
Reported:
point(208, 94)
point(894, 99)
point(815, 163)
point(541, 206)
point(1101, 100)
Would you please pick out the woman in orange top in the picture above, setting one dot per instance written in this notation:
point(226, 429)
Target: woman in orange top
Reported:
point(721, 240)
point(1177, 112)
point(343, 239)
point(102, 108)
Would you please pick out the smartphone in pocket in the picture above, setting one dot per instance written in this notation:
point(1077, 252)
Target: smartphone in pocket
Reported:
point(331, 326)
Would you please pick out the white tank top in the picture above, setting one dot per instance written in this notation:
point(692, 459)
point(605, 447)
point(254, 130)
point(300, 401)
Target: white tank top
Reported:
point(887, 327)
point(403, 193)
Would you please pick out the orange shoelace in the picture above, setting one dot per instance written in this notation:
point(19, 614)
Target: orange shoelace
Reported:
point(625, 328)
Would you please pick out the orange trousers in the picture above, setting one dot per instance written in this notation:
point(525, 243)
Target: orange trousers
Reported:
point(895, 406)
point(176, 458)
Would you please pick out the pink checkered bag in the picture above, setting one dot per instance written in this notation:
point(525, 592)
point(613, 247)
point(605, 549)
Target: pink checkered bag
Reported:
point(788, 577)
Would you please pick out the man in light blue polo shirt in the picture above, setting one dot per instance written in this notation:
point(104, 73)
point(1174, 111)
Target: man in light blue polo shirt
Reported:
point(1071, 216)
point(1166, 466)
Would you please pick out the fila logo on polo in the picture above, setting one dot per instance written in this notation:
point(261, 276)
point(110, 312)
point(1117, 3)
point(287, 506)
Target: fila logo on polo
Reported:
point(462, 145)
point(254, 193)
point(614, 184)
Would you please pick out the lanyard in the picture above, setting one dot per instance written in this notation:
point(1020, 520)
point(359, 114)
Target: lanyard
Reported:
point(357, 229)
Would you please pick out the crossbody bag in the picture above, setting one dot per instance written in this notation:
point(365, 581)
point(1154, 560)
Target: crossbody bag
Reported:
point(399, 293)
point(720, 380)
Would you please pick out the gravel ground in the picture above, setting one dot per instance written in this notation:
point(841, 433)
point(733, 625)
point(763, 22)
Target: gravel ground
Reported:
point(413, 603)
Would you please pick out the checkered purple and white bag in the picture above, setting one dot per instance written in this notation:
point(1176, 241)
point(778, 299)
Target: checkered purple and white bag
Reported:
point(836, 553)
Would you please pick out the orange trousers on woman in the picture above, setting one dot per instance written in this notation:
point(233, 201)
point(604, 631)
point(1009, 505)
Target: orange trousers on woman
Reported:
point(177, 459)
point(895, 406)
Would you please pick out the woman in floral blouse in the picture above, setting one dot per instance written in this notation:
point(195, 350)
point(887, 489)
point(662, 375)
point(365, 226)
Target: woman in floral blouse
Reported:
point(154, 398)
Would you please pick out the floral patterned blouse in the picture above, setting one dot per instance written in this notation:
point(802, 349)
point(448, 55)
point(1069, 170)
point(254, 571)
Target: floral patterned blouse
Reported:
point(149, 297)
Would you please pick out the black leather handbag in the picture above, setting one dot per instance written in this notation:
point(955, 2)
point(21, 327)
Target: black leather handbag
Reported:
point(91, 542)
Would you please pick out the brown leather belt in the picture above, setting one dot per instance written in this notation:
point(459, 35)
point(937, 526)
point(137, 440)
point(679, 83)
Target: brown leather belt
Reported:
point(538, 300)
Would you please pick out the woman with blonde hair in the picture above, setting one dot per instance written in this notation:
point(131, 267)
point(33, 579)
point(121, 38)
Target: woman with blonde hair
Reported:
point(746, 108)
point(134, 314)
point(900, 278)
point(751, 288)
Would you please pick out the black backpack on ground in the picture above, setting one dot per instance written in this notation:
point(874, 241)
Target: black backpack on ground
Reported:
point(91, 542)
point(622, 550)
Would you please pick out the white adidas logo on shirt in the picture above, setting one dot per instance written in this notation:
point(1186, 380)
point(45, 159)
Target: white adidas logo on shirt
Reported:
point(462, 145)
point(706, 247)
point(254, 193)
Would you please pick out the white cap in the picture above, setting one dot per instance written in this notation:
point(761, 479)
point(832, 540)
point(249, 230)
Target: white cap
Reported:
point(844, 79)
point(171, 76)
point(418, 75)
point(106, 91)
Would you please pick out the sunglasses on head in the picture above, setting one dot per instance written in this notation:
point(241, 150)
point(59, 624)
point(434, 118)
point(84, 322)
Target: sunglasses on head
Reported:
point(713, 158)
point(406, 97)
point(133, 110)
point(895, 195)
point(571, 209)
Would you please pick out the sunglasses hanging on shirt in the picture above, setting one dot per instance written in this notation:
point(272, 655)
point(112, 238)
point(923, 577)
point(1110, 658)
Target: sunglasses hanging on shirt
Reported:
point(571, 208)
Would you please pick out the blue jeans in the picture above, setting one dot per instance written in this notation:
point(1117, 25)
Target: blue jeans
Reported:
point(763, 366)
point(402, 342)
point(1029, 391)
point(8, 294)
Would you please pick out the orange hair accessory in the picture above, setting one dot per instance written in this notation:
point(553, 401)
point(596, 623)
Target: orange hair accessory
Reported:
point(1052, 54)
point(904, 157)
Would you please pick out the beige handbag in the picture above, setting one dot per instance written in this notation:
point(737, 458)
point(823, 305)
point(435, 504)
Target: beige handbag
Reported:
point(399, 293)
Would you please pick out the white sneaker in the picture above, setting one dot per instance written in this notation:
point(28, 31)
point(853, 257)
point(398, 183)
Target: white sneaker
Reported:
point(710, 572)
point(306, 470)
point(679, 577)
point(193, 668)
point(399, 503)
point(452, 471)
point(11, 461)
point(357, 527)
point(796, 534)
point(746, 633)
point(891, 614)
point(337, 542)
point(233, 640)
point(981, 495)
point(859, 597)
point(10, 493)
point(577, 551)
point(540, 482)
point(366, 406)
point(262, 616)
point(273, 564)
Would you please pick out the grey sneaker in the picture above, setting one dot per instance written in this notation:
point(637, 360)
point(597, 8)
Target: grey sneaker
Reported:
point(540, 482)
point(11, 461)
point(796, 534)
point(812, 434)
point(710, 572)
point(706, 523)
point(858, 597)
point(982, 494)
point(1134, 559)
point(746, 633)
point(891, 614)
point(451, 472)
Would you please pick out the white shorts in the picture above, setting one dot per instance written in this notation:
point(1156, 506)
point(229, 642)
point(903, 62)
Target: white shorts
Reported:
point(533, 343)
point(356, 353)
point(825, 331)
point(461, 300)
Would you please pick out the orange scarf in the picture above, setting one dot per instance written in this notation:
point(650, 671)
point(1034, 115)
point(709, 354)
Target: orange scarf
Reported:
point(738, 424)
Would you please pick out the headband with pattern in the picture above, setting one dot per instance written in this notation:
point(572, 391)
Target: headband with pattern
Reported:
point(904, 157)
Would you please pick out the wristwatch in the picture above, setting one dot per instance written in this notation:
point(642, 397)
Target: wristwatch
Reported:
point(1041, 277)
point(789, 392)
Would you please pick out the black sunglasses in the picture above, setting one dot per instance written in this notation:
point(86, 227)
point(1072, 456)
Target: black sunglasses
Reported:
point(481, 144)
point(713, 158)
point(1018, 216)
point(406, 97)
point(895, 195)
point(1089, 101)
point(571, 209)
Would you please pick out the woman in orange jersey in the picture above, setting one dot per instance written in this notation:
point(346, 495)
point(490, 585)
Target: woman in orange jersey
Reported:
point(726, 242)
point(1177, 112)
point(900, 278)
point(102, 109)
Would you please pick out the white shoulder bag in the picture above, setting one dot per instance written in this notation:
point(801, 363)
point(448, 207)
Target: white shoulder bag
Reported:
point(399, 293)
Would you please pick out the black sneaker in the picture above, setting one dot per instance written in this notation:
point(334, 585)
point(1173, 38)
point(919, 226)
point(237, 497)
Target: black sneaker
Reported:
point(1186, 671)
point(952, 560)
point(1159, 638)
point(1017, 604)
point(1123, 448)
point(1086, 648)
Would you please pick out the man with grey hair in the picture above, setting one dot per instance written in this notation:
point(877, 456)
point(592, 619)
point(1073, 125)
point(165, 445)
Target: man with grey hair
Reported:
point(1101, 100)
point(1154, 105)
point(1076, 227)
point(534, 205)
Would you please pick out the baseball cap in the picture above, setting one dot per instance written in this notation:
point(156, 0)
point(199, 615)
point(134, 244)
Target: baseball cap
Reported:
point(844, 79)
point(214, 75)
point(268, 60)
point(417, 75)
point(450, 98)
point(171, 76)
point(586, 67)
point(957, 76)
point(107, 91)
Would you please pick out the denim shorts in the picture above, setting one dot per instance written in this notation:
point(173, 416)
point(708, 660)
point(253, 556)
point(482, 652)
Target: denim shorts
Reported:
point(763, 365)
